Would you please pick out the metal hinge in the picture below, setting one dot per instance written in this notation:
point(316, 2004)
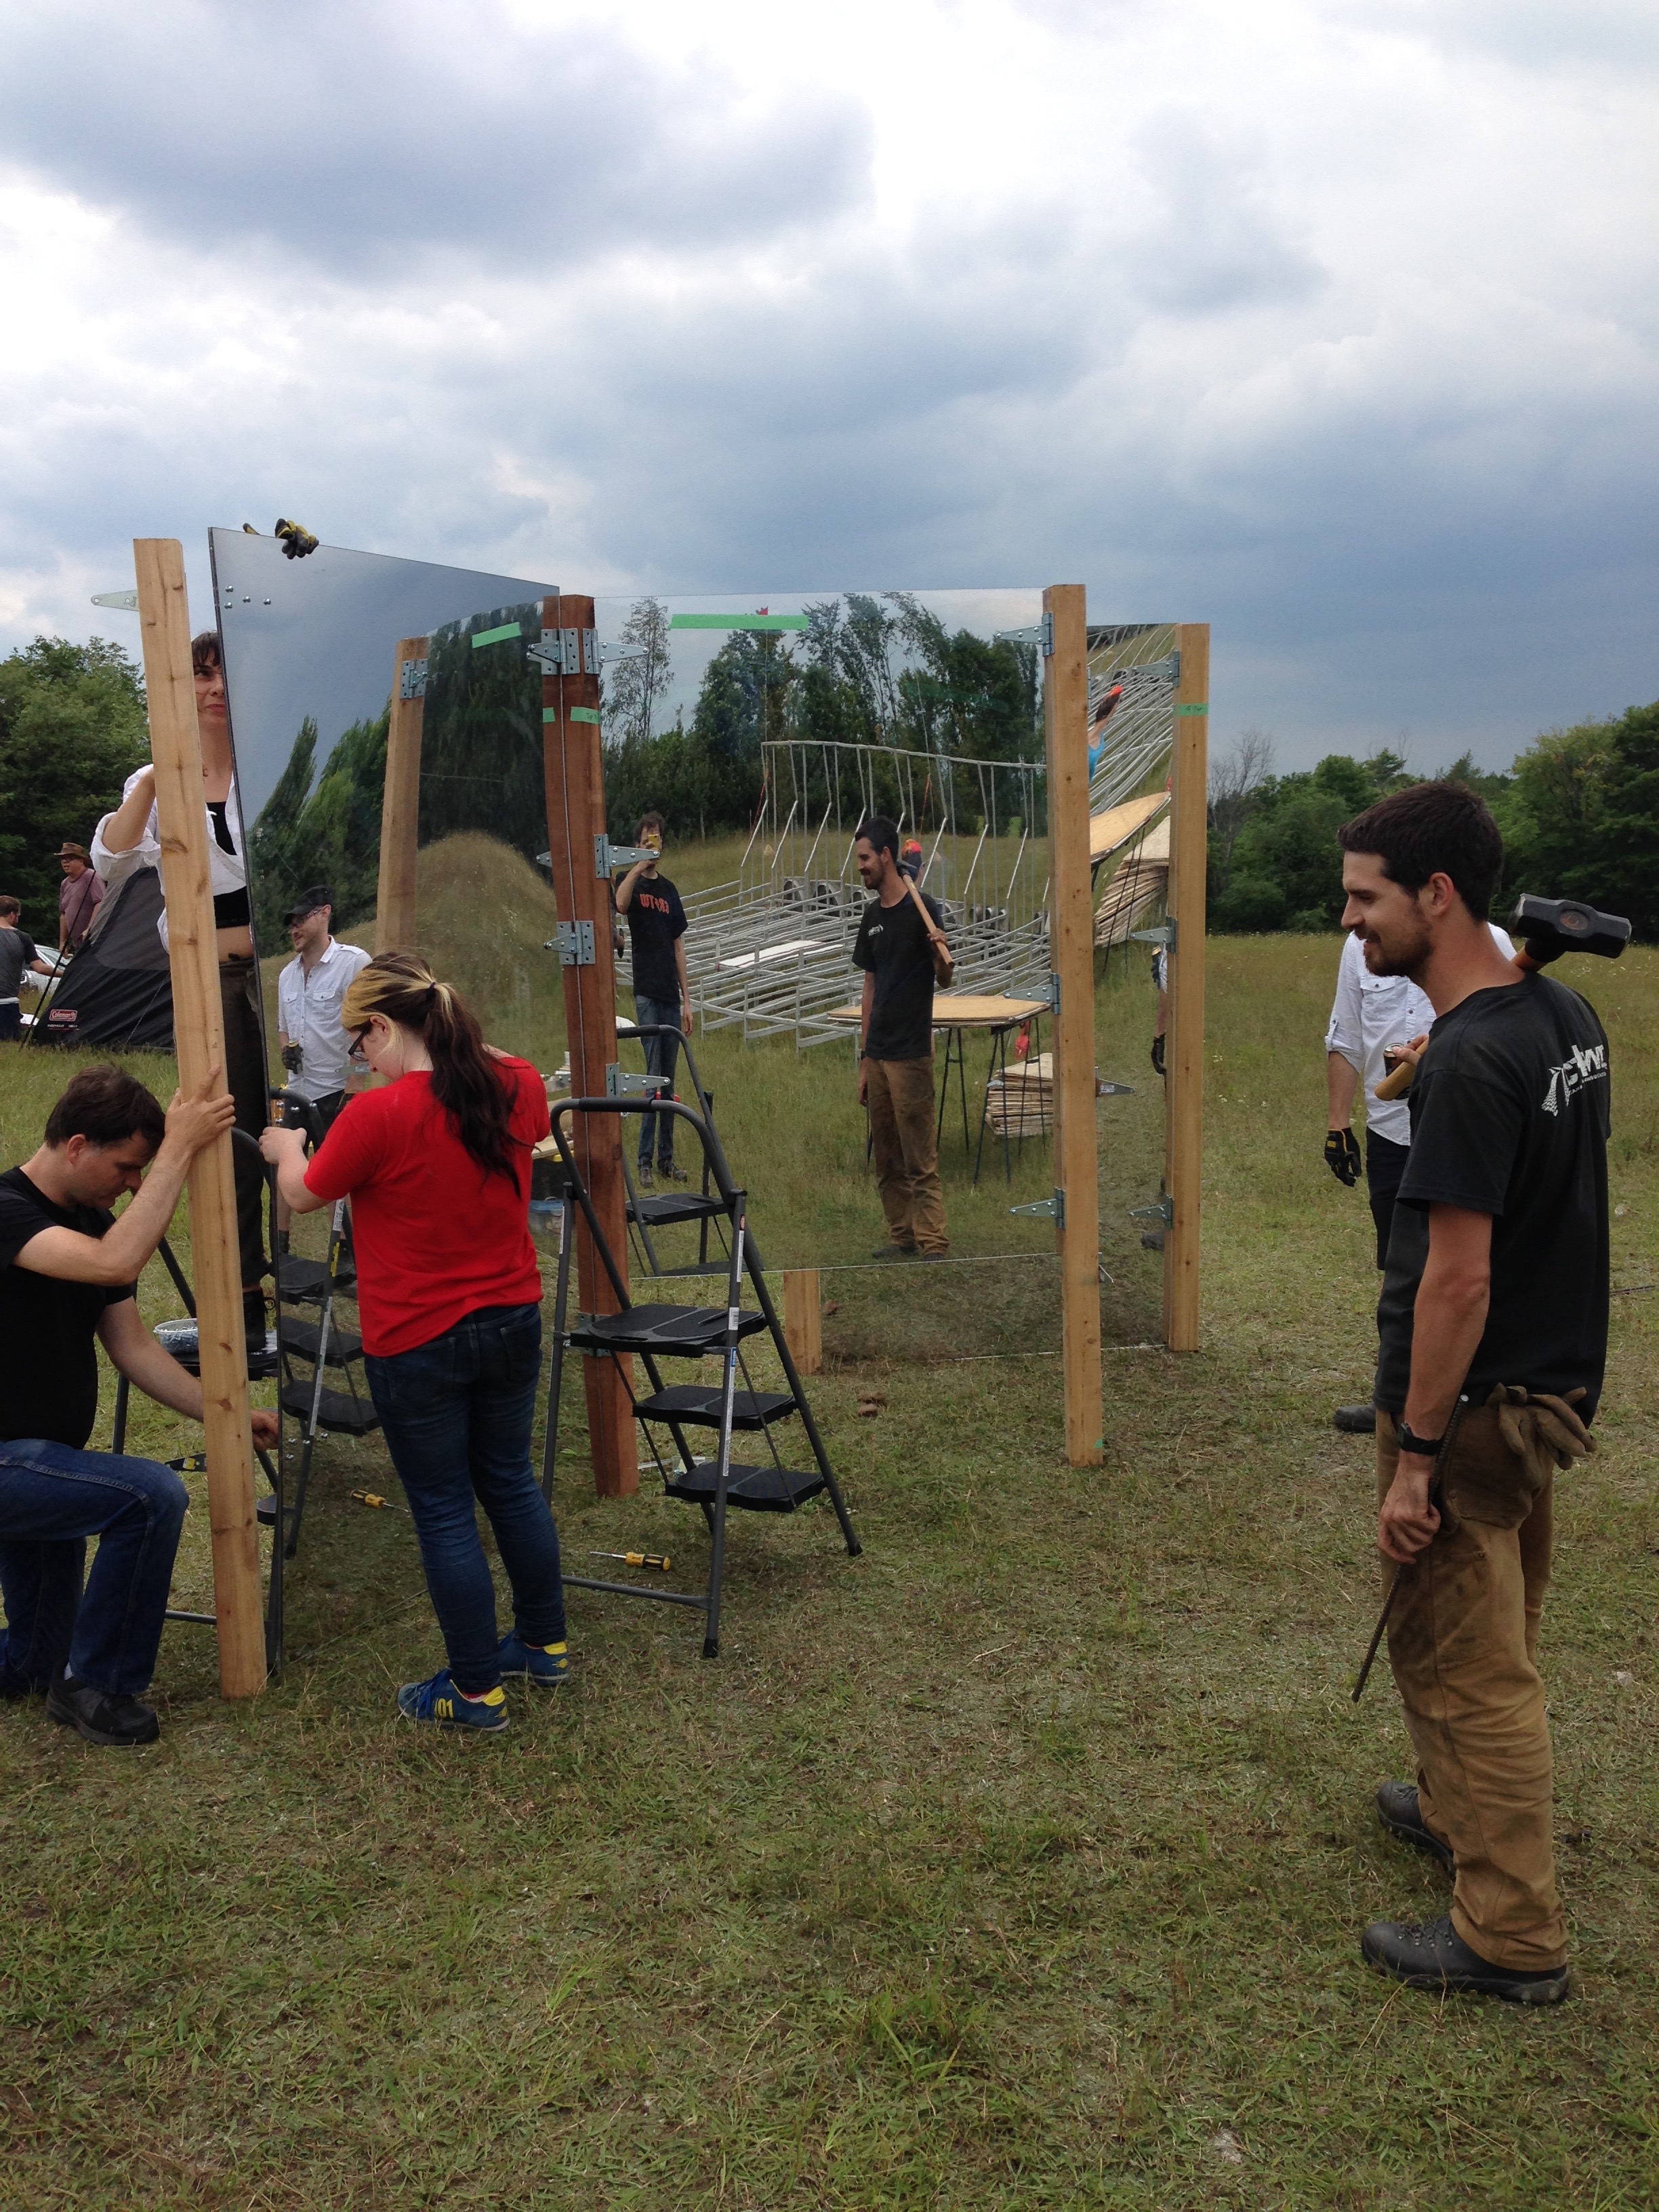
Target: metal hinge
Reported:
point(574, 943)
point(1163, 1211)
point(1040, 634)
point(1045, 1209)
point(411, 680)
point(1106, 1088)
point(127, 601)
point(1164, 933)
point(1050, 997)
point(566, 652)
point(621, 1083)
point(607, 856)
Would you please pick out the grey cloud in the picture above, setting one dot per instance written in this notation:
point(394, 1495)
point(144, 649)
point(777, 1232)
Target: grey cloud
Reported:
point(1214, 240)
point(355, 136)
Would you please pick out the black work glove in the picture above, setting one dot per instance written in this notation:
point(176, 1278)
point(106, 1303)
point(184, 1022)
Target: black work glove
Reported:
point(1157, 1054)
point(1342, 1155)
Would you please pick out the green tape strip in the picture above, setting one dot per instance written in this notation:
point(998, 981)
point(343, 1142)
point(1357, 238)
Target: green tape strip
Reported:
point(1192, 710)
point(495, 636)
point(549, 713)
point(736, 621)
point(583, 715)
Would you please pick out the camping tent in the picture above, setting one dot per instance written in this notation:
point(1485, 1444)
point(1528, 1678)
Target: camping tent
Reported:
point(118, 989)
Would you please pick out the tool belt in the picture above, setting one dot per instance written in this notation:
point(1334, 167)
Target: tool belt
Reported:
point(1505, 1452)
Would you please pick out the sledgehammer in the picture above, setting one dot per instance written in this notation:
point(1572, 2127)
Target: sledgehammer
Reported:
point(1546, 928)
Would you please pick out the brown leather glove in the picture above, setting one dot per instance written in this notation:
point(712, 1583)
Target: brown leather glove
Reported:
point(1543, 1430)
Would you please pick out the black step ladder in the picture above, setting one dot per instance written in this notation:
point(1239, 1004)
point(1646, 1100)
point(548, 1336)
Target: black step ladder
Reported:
point(322, 1344)
point(655, 1333)
point(668, 1209)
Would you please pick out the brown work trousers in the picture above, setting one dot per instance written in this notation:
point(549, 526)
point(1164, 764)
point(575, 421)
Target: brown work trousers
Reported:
point(905, 1137)
point(1461, 1641)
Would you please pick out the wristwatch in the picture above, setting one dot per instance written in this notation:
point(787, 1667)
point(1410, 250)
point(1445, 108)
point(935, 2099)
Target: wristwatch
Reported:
point(1419, 1447)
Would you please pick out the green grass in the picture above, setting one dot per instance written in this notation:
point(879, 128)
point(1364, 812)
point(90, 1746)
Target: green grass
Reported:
point(1019, 1862)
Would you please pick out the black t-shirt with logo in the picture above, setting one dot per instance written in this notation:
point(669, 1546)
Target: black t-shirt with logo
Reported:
point(655, 919)
point(894, 946)
point(48, 1362)
point(1509, 1117)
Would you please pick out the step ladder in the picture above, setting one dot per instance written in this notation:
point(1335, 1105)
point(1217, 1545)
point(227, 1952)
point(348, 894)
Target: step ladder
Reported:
point(322, 1344)
point(653, 1334)
point(669, 1209)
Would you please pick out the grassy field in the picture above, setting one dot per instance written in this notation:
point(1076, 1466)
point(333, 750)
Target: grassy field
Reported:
point(1020, 1861)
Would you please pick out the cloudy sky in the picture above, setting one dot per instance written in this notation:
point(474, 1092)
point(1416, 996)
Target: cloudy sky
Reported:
point(1332, 322)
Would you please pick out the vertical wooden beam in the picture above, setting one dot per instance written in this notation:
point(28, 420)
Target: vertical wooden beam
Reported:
point(400, 809)
point(1183, 1144)
point(1071, 949)
point(803, 1318)
point(576, 814)
point(198, 1026)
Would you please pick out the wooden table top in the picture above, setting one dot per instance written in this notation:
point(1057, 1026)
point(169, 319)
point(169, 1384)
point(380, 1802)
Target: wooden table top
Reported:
point(964, 1010)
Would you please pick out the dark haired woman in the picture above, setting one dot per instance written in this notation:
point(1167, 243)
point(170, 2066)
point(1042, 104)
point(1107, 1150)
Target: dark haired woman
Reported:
point(437, 1167)
point(130, 838)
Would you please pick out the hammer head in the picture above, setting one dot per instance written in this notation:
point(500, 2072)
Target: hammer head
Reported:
point(1550, 928)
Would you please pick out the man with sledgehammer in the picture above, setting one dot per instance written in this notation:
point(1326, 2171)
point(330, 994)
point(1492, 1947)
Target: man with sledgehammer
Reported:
point(1494, 1320)
point(902, 950)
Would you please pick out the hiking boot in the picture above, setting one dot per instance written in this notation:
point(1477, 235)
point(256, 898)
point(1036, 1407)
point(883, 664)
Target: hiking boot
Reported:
point(1397, 1809)
point(932, 1256)
point(443, 1705)
point(546, 1665)
point(1355, 1420)
point(667, 1172)
point(643, 1178)
point(1437, 1958)
point(894, 1252)
point(118, 1722)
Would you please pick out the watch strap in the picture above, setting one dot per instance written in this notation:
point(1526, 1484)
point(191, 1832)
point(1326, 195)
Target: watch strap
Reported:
point(1421, 1447)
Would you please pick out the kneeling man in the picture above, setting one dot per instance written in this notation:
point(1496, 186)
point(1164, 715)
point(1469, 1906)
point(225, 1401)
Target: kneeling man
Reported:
point(68, 1271)
point(1493, 1322)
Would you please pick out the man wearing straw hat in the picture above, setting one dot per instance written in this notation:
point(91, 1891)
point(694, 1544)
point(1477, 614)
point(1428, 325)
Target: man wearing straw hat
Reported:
point(79, 898)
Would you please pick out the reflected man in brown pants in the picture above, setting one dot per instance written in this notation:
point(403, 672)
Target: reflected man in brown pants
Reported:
point(1493, 1328)
point(902, 955)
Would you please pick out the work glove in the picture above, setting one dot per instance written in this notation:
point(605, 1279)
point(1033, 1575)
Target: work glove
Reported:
point(1157, 1054)
point(1342, 1156)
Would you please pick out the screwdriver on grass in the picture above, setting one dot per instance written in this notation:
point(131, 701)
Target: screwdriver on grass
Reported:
point(634, 1558)
point(373, 1498)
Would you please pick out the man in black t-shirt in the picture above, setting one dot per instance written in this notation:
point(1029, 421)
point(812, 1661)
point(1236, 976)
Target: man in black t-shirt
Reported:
point(1493, 1322)
point(902, 956)
point(662, 989)
point(67, 1272)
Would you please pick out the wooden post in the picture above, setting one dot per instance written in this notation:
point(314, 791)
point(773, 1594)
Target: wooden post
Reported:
point(803, 1318)
point(575, 816)
point(1071, 949)
point(198, 1026)
point(400, 810)
point(1183, 1152)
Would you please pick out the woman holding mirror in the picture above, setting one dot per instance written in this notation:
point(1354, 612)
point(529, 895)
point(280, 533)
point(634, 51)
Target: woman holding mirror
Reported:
point(436, 1164)
point(130, 835)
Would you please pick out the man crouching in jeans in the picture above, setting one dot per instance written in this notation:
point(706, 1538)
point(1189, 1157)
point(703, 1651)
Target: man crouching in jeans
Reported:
point(901, 956)
point(68, 1269)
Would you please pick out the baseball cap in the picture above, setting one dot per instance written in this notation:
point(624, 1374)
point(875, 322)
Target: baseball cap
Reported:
point(307, 902)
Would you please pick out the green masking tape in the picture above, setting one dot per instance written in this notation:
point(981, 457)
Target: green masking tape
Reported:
point(495, 636)
point(736, 621)
point(1192, 710)
point(575, 715)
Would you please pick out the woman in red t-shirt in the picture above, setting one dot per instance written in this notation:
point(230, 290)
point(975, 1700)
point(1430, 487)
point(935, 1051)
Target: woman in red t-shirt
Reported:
point(437, 1167)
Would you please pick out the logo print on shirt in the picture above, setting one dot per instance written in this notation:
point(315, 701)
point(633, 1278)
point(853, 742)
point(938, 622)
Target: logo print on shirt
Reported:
point(1589, 1064)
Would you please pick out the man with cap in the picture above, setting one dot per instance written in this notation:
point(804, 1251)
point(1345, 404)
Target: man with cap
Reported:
point(316, 1050)
point(79, 898)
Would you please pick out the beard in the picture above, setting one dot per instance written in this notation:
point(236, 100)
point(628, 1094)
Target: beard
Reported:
point(1404, 953)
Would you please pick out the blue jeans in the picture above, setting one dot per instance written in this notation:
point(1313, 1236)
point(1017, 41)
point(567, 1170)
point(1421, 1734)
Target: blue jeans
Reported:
point(51, 1499)
point(456, 1413)
point(661, 1054)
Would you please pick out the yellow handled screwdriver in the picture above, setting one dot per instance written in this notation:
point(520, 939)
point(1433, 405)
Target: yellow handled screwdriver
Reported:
point(373, 1498)
point(634, 1558)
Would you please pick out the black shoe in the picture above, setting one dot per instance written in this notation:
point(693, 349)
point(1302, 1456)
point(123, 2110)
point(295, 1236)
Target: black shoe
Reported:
point(1355, 1420)
point(932, 1256)
point(1397, 1809)
point(667, 1172)
point(894, 1252)
point(120, 1721)
point(1152, 1240)
point(1437, 1957)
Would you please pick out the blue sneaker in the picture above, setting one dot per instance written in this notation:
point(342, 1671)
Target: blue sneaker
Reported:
point(442, 1704)
point(546, 1665)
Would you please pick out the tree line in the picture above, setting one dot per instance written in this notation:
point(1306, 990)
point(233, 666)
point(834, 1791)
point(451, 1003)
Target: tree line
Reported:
point(1579, 811)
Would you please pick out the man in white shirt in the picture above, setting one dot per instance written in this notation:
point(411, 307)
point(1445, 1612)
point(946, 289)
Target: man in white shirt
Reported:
point(316, 1050)
point(1369, 1014)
